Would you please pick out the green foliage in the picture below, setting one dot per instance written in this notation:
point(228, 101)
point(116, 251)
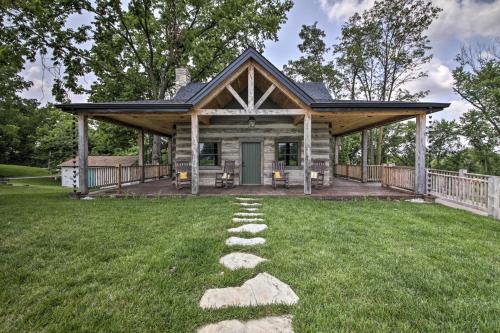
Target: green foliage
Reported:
point(477, 80)
point(311, 66)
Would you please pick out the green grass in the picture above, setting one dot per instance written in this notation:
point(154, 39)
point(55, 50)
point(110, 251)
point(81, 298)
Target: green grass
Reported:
point(367, 266)
point(10, 170)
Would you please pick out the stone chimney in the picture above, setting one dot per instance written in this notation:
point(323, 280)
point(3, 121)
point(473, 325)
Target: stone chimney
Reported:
point(182, 78)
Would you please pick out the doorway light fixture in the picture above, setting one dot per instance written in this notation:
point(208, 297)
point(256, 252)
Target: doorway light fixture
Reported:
point(251, 122)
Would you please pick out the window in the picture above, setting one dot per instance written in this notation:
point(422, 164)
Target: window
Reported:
point(209, 153)
point(288, 152)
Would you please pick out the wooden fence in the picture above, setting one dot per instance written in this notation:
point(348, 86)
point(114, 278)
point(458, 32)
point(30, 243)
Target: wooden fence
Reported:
point(399, 176)
point(355, 172)
point(118, 175)
point(481, 192)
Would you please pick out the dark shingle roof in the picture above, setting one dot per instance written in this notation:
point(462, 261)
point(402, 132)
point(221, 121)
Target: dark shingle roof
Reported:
point(188, 91)
point(317, 90)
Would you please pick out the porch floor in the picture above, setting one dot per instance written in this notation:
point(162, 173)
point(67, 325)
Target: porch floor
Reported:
point(340, 189)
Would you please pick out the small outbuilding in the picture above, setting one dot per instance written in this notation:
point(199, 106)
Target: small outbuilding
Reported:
point(68, 167)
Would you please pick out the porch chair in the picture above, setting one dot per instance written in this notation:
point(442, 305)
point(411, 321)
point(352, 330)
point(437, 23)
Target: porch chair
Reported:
point(318, 169)
point(279, 174)
point(226, 178)
point(182, 174)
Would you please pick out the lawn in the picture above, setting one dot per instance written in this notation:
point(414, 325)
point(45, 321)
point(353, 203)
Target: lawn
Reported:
point(115, 265)
point(11, 170)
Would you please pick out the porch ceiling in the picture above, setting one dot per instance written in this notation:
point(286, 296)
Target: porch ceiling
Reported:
point(159, 123)
point(347, 122)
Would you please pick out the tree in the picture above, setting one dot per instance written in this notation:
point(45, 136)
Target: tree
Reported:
point(477, 80)
point(311, 66)
point(399, 144)
point(444, 141)
point(383, 49)
point(138, 47)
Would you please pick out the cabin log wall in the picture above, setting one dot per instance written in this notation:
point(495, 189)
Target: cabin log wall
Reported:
point(231, 136)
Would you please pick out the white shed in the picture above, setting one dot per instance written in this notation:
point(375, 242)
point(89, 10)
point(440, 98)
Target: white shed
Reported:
point(69, 170)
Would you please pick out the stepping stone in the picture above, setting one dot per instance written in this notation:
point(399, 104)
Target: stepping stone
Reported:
point(250, 209)
point(246, 220)
point(237, 260)
point(263, 289)
point(249, 204)
point(231, 241)
point(281, 324)
point(252, 228)
point(248, 214)
point(247, 199)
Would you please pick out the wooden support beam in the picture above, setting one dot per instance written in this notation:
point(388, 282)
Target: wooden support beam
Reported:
point(205, 120)
point(170, 146)
point(156, 151)
point(336, 148)
point(364, 156)
point(255, 112)
point(251, 88)
point(237, 96)
point(264, 97)
point(140, 145)
point(307, 153)
point(494, 197)
point(83, 153)
point(195, 150)
point(297, 120)
point(420, 172)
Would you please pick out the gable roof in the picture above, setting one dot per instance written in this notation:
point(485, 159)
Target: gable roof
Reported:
point(104, 161)
point(251, 53)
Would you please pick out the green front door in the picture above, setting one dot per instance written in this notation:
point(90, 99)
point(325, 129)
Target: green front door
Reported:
point(250, 163)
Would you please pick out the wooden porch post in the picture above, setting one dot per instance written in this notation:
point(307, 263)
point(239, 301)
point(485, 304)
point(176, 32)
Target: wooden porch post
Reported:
point(140, 144)
point(364, 156)
point(307, 153)
point(156, 151)
point(420, 181)
point(83, 152)
point(195, 135)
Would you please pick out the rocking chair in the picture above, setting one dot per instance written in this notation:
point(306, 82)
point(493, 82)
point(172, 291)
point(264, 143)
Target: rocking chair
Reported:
point(182, 174)
point(318, 169)
point(226, 178)
point(279, 174)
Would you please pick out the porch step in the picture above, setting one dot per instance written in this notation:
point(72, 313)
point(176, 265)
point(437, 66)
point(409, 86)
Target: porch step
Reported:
point(247, 220)
point(281, 324)
point(252, 228)
point(238, 260)
point(264, 289)
point(232, 241)
point(248, 214)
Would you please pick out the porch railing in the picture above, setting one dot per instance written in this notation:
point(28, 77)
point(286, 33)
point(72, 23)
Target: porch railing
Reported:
point(354, 172)
point(99, 176)
point(399, 176)
point(481, 192)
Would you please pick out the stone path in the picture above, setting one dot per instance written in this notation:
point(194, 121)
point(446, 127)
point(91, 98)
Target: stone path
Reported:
point(251, 228)
point(281, 324)
point(263, 289)
point(238, 260)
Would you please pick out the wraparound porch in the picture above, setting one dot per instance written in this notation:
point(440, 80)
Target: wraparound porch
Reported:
point(340, 189)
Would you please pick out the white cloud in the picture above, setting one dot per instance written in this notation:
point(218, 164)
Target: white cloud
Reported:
point(461, 19)
point(454, 111)
point(439, 81)
point(342, 9)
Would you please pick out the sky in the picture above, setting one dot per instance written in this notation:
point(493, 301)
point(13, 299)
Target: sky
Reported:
point(461, 22)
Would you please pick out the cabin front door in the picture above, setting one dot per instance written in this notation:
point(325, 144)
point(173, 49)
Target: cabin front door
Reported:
point(251, 163)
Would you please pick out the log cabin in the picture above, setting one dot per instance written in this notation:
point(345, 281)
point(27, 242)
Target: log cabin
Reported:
point(253, 114)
